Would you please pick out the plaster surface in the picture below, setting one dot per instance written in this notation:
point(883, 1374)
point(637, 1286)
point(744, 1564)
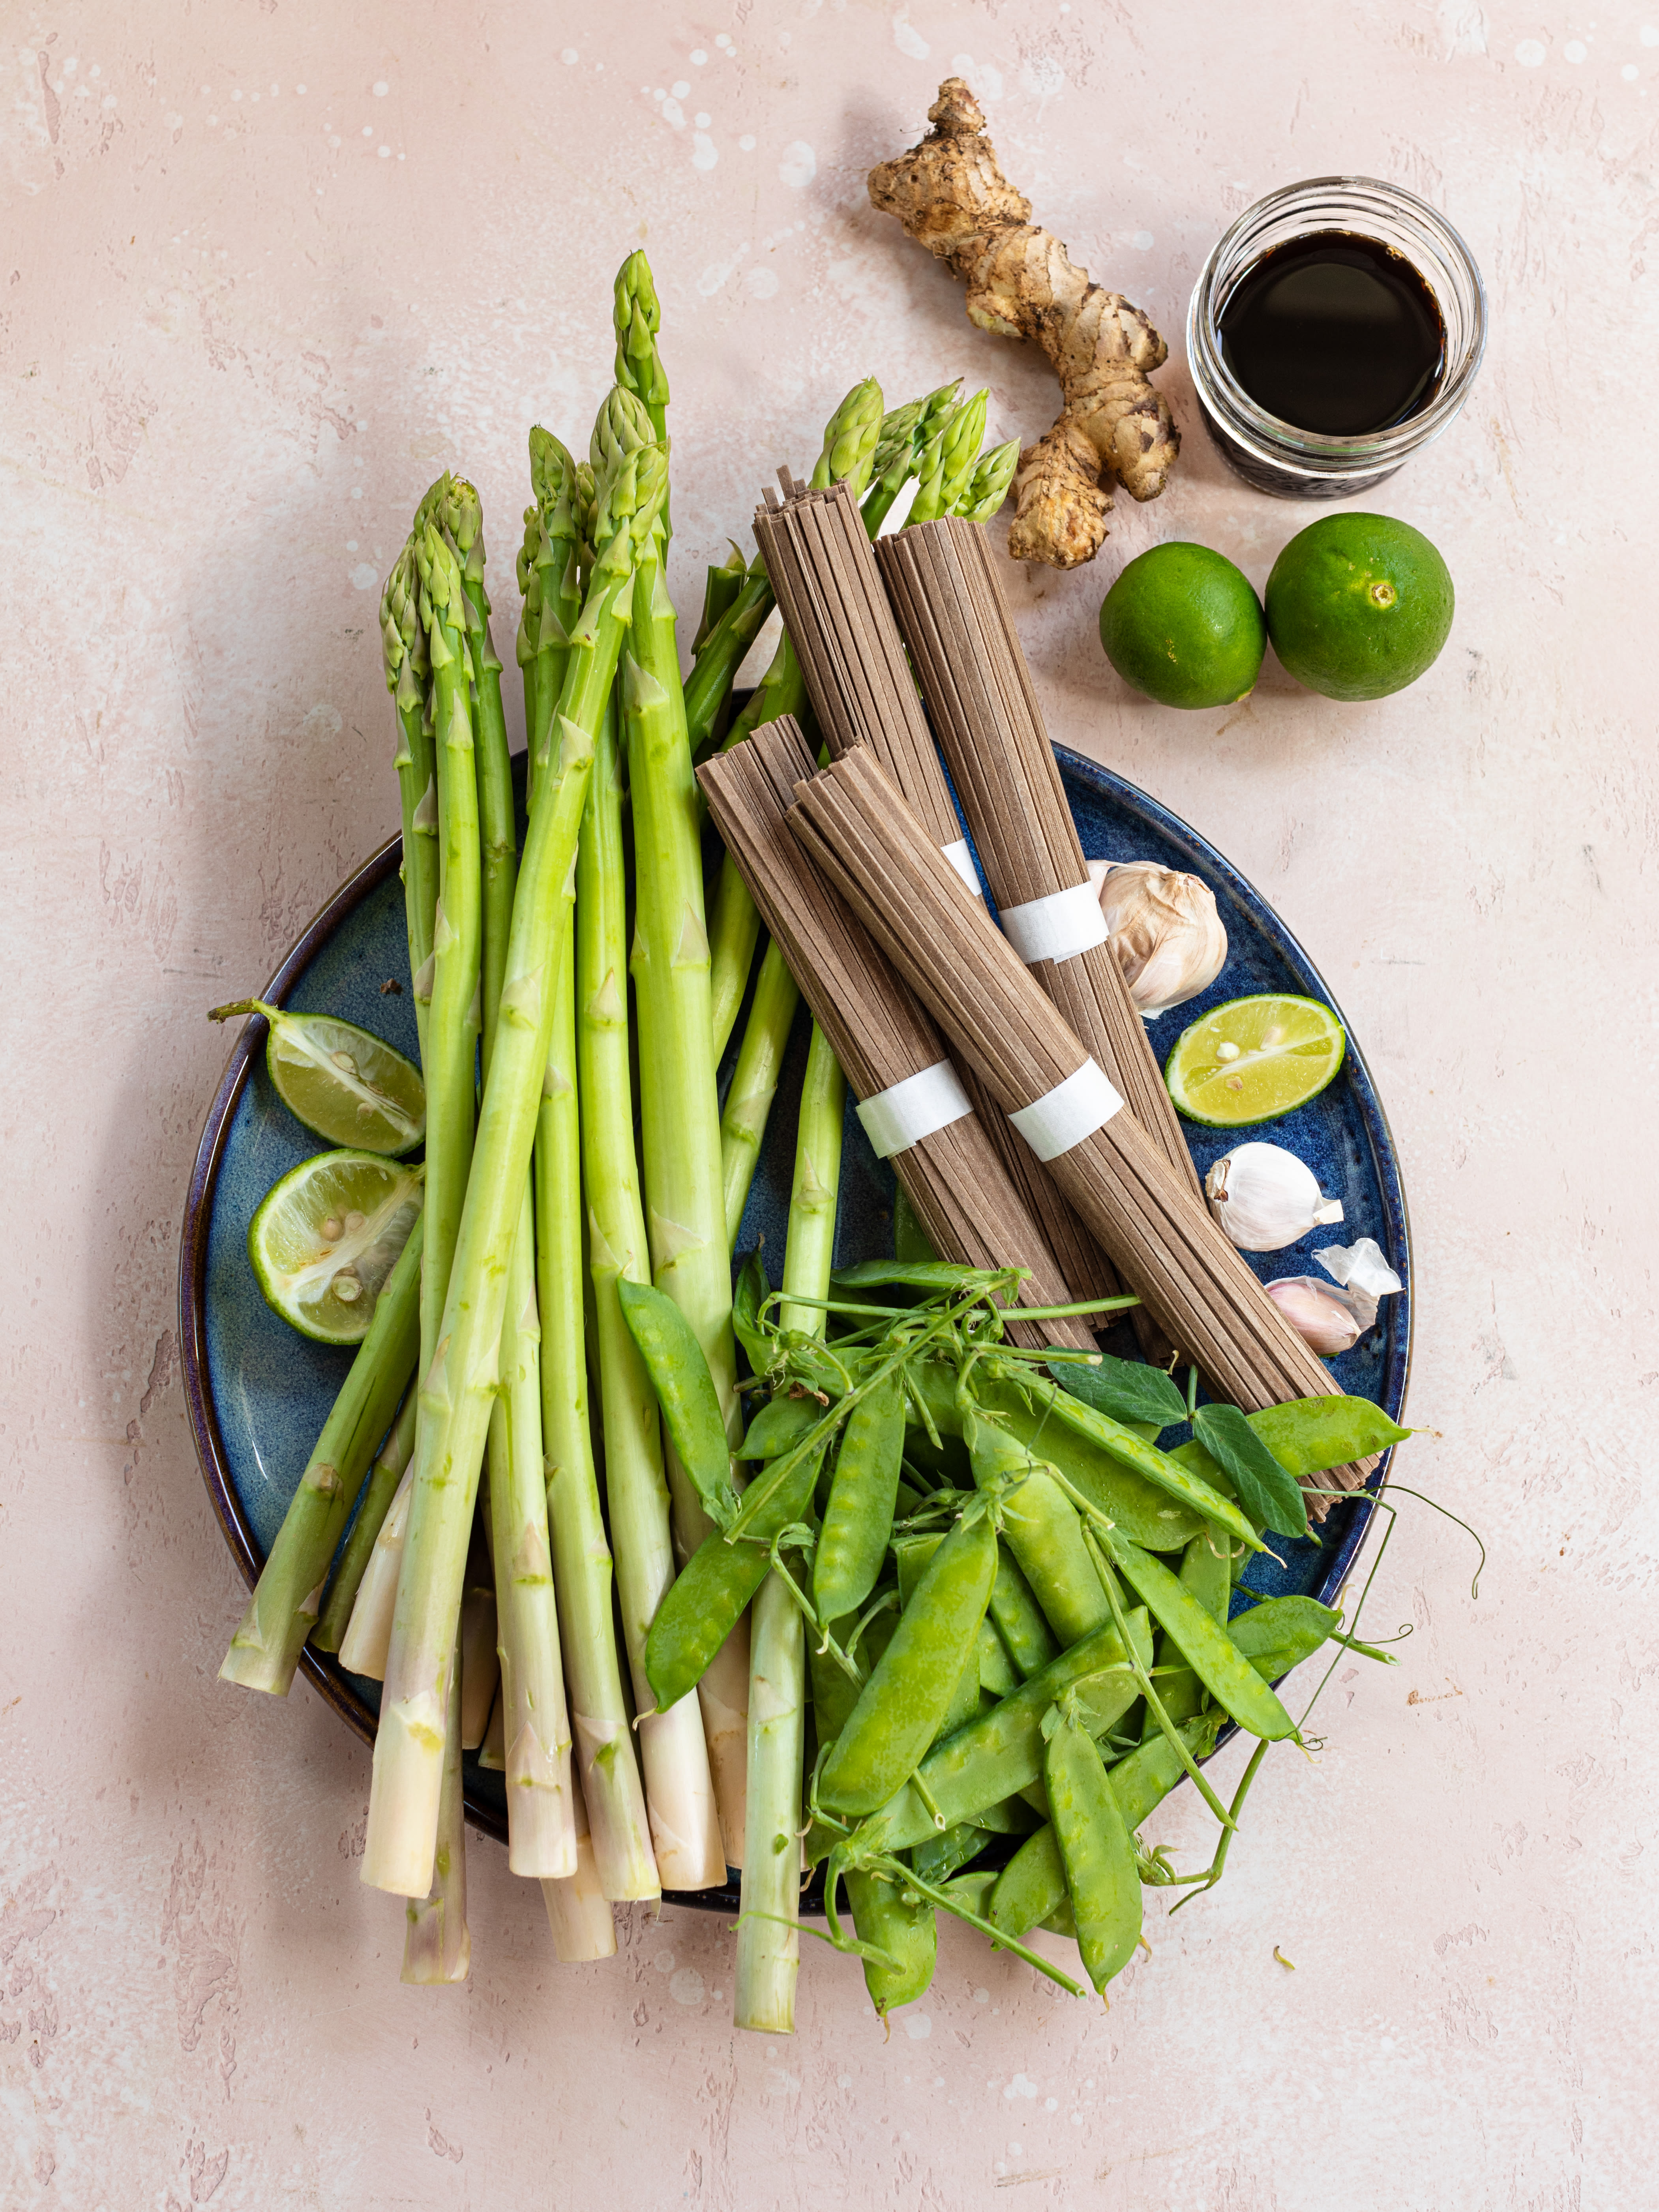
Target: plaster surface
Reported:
point(266, 270)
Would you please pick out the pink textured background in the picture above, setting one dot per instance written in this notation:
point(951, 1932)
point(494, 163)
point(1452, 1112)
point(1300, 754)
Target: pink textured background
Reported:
point(266, 272)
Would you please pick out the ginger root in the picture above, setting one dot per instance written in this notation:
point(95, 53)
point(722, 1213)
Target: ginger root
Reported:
point(951, 195)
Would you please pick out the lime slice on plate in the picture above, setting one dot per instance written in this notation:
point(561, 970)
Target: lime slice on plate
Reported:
point(344, 1083)
point(326, 1237)
point(1254, 1059)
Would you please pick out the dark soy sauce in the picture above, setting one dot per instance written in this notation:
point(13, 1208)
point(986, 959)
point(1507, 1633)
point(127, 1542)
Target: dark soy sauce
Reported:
point(1335, 333)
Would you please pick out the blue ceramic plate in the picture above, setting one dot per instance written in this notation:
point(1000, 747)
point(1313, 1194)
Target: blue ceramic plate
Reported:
point(259, 1393)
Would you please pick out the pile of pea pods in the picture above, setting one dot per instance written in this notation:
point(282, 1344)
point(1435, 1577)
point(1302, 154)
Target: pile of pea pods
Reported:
point(1016, 1603)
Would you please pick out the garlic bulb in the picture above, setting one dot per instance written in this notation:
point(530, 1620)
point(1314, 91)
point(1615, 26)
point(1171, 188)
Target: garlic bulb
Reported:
point(1265, 1198)
point(1322, 1317)
point(1164, 930)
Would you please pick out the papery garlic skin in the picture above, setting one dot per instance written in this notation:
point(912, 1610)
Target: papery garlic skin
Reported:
point(1265, 1198)
point(1321, 1316)
point(1361, 1268)
point(1164, 930)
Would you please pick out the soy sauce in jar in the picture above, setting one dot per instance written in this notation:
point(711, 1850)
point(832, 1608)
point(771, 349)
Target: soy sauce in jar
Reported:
point(1336, 333)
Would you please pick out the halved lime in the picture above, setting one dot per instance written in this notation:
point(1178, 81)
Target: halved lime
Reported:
point(1254, 1059)
point(344, 1083)
point(326, 1237)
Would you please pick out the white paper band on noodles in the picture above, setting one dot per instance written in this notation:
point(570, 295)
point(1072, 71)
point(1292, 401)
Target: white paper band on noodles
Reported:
point(905, 1113)
point(1057, 927)
point(1070, 1112)
point(962, 862)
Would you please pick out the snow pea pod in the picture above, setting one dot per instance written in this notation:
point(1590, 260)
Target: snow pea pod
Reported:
point(1041, 1528)
point(1102, 1880)
point(901, 1706)
point(858, 1519)
point(997, 1755)
point(701, 1606)
point(1202, 1643)
point(685, 1391)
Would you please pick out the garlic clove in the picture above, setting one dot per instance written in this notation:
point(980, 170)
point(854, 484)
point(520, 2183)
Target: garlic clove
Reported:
point(1265, 1198)
point(1164, 930)
point(1321, 1317)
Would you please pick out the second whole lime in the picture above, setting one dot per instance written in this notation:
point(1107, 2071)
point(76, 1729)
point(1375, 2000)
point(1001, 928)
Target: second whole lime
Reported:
point(1183, 626)
point(1359, 606)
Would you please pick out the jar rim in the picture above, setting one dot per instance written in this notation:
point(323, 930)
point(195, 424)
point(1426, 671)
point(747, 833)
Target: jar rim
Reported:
point(1316, 454)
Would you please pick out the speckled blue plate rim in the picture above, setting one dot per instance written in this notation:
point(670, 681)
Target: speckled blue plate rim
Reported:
point(1206, 862)
point(319, 1668)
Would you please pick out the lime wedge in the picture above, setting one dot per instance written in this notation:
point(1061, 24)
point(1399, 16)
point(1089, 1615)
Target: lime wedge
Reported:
point(325, 1238)
point(1254, 1059)
point(344, 1083)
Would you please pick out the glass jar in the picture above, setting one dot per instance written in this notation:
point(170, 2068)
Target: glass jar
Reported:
point(1276, 456)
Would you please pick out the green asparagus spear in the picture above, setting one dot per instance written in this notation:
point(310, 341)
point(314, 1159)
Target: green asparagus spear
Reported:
point(378, 1491)
point(988, 486)
point(408, 672)
point(945, 469)
point(685, 1213)
point(458, 1386)
point(769, 1940)
point(266, 1649)
point(679, 1791)
point(582, 1557)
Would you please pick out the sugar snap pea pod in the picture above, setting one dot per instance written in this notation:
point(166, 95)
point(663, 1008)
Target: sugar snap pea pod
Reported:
point(835, 1693)
point(905, 1930)
point(702, 1606)
point(1206, 1571)
point(1161, 1469)
point(911, 1555)
point(901, 1706)
point(1012, 1816)
point(749, 1293)
point(1147, 1514)
point(972, 1891)
point(1061, 1922)
point(995, 1756)
point(964, 1704)
point(1041, 1528)
point(858, 1520)
point(1280, 1633)
point(685, 1391)
point(1306, 1435)
point(1032, 1886)
point(1202, 1643)
point(1102, 1880)
point(937, 1859)
point(780, 1423)
point(1020, 1620)
point(997, 1672)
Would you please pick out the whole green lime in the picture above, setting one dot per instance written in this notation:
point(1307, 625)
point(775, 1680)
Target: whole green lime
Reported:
point(1183, 625)
point(1359, 606)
